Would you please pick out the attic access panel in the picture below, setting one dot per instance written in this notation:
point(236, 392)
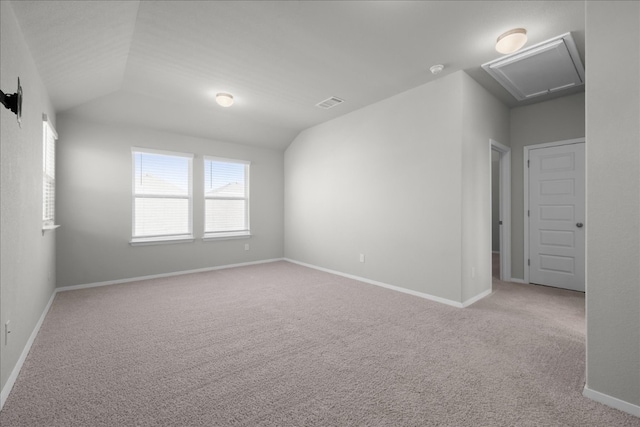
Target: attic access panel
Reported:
point(545, 68)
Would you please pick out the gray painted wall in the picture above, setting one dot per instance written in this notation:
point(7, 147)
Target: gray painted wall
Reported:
point(613, 199)
point(387, 181)
point(555, 120)
point(94, 206)
point(484, 118)
point(27, 258)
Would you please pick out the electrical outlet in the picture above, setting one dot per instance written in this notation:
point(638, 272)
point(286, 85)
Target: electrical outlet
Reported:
point(7, 331)
point(473, 272)
point(246, 246)
point(361, 257)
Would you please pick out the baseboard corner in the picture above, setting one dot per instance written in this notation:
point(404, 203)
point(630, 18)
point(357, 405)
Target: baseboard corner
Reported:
point(477, 298)
point(611, 401)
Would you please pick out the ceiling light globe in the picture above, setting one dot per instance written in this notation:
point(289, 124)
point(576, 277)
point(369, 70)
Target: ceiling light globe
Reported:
point(511, 41)
point(224, 99)
point(436, 69)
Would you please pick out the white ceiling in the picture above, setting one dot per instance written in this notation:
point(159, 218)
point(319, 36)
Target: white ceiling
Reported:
point(159, 63)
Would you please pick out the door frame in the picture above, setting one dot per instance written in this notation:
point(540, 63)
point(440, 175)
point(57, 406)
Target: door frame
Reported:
point(525, 167)
point(505, 206)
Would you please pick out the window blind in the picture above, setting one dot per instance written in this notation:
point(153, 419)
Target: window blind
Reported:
point(162, 194)
point(49, 137)
point(226, 191)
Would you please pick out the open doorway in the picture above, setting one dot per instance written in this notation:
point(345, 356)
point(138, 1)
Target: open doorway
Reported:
point(501, 210)
point(495, 214)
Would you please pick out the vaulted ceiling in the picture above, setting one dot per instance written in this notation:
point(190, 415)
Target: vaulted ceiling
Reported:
point(160, 63)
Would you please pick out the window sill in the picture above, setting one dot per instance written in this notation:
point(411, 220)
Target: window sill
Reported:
point(160, 241)
point(49, 227)
point(226, 236)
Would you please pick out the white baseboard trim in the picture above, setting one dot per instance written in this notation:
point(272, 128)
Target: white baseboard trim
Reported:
point(159, 276)
point(477, 298)
point(512, 280)
point(614, 402)
point(4, 395)
point(392, 287)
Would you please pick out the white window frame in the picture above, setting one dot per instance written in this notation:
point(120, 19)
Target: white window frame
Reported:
point(49, 137)
point(221, 235)
point(160, 239)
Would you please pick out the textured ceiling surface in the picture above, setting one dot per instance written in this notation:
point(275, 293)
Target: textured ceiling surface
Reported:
point(80, 48)
point(159, 63)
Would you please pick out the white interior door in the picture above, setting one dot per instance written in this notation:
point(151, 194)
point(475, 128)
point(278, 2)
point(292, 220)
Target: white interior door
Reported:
point(556, 216)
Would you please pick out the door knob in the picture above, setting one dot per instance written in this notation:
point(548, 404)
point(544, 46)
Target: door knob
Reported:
point(579, 225)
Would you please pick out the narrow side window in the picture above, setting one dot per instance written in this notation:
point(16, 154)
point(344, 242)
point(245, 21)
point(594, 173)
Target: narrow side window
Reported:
point(49, 137)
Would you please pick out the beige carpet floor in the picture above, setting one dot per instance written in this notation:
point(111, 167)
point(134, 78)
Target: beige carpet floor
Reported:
point(283, 345)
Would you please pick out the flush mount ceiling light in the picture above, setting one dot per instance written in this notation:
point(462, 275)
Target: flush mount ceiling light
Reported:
point(511, 41)
point(224, 99)
point(436, 69)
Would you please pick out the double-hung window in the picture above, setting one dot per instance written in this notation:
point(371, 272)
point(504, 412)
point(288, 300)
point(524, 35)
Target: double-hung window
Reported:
point(49, 137)
point(162, 196)
point(226, 198)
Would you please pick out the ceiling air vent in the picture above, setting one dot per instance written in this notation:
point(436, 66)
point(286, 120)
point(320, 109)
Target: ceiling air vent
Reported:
point(329, 103)
point(545, 68)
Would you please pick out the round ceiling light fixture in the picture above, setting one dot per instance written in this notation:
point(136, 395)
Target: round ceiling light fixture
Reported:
point(224, 99)
point(436, 69)
point(511, 41)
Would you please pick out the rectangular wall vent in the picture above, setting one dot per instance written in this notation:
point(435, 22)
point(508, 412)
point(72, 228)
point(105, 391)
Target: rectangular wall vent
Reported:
point(545, 68)
point(329, 103)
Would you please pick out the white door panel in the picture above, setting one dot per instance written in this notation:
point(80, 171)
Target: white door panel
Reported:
point(556, 216)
